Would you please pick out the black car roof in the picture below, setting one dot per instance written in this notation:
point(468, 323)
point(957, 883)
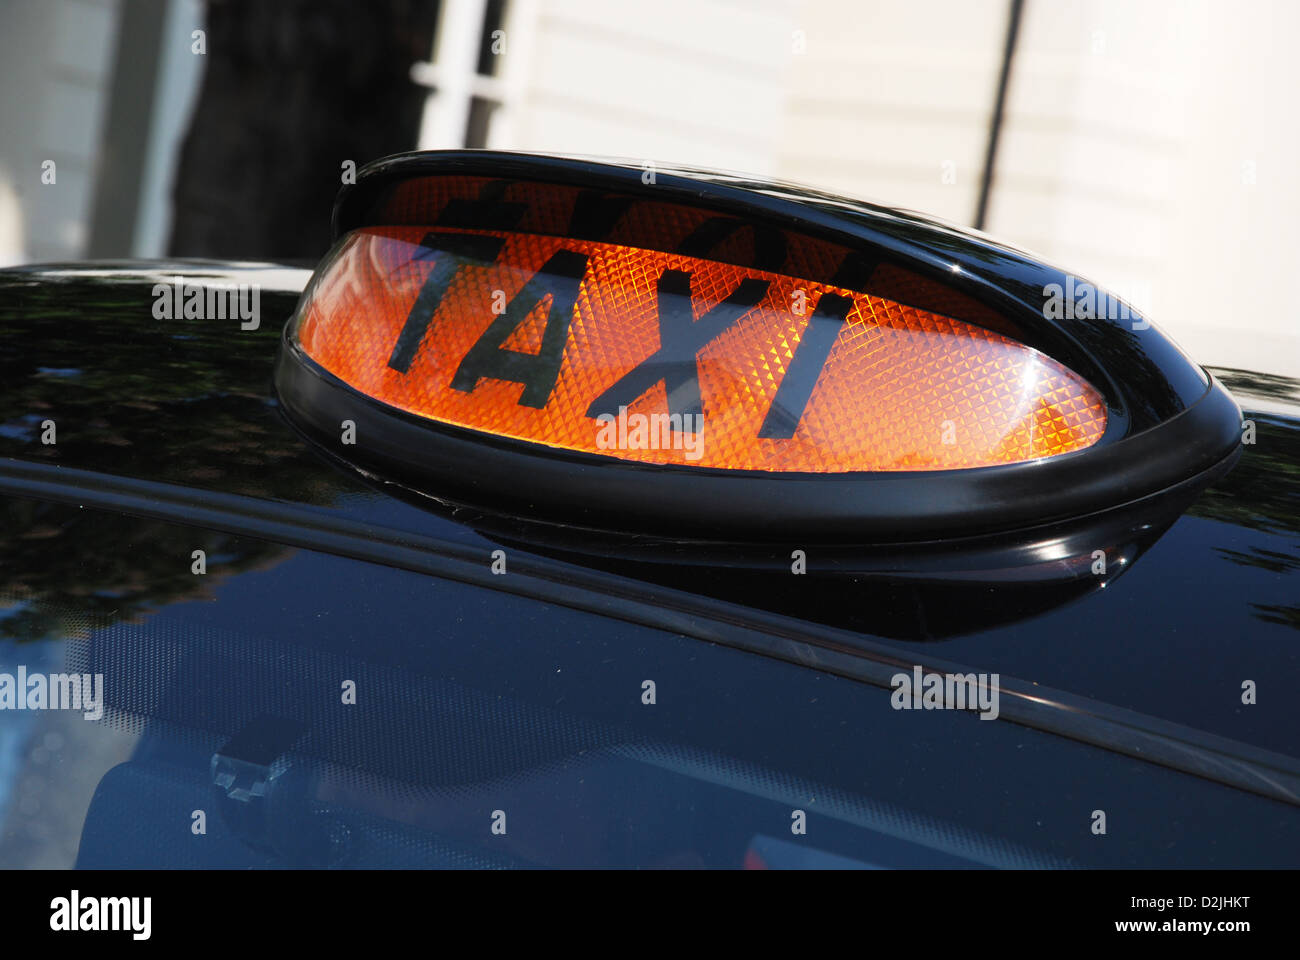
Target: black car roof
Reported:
point(177, 418)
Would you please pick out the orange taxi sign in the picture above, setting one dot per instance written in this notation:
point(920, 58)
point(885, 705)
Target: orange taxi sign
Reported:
point(659, 357)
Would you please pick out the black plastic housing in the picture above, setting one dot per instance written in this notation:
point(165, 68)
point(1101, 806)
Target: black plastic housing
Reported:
point(1169, 422)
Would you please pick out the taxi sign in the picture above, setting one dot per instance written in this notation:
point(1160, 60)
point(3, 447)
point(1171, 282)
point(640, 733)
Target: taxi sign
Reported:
point(703, 357)
point(657, 357)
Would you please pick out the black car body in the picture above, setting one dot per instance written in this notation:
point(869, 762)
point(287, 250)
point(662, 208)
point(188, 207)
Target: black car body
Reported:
point(367, 675)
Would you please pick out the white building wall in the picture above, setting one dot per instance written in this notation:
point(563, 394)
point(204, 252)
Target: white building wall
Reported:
point(56, 60)
point(1150, 148)
point(701, 82)
point(892, 100)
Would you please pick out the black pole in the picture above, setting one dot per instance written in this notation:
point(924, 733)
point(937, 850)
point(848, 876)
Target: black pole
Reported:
point(999, 107)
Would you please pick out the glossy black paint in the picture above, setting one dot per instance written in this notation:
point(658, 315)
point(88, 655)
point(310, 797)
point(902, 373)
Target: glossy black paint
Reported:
point(169, 438)
point(208, 424)
point(1168, 421)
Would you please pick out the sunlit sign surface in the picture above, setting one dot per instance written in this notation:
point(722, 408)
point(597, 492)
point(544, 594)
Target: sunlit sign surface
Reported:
point(638, 354)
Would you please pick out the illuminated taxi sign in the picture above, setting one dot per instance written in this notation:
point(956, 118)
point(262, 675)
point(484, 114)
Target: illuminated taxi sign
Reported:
point(706, 360)
point(620, 351)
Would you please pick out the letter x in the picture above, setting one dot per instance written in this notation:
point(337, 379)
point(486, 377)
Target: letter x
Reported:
point(681, 337)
